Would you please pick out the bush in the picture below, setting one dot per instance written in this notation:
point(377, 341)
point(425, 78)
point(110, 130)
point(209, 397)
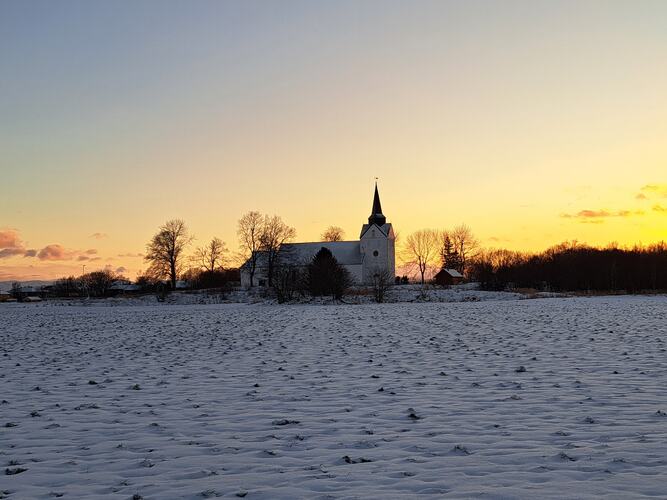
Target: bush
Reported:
point(381, 283)
point(67, 287)
point(287, 282)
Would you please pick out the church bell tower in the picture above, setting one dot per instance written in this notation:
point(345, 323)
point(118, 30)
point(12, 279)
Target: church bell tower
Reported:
point(377, 243)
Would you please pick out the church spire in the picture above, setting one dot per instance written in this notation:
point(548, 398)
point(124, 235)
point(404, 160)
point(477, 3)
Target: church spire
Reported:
point(376, 216)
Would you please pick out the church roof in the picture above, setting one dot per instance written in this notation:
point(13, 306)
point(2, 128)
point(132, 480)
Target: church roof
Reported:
point(384, 229)
point(347, 253)
point(377, 217)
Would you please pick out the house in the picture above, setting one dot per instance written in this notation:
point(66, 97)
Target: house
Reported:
point(447, 277)
point(25, 292)
point(123, 287)
point(374, 252)
point(182, 285)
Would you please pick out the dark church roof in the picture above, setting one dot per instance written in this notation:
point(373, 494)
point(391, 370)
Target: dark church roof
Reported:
point(377, 217)
point(346, 253)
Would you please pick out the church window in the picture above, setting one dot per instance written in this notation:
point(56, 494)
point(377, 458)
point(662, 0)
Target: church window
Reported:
point(375, 253)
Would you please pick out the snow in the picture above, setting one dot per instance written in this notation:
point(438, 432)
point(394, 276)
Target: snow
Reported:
point(357, 295)
point(547, 398)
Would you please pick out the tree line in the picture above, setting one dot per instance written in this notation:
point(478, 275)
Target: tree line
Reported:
point(170, 258)
point(565, 267)
point(575, 267)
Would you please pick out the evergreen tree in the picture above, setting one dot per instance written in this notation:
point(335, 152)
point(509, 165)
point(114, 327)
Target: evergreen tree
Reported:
point(325, 276)
point(450, 257)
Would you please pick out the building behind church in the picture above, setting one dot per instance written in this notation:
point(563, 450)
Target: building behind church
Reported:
point(374, 252)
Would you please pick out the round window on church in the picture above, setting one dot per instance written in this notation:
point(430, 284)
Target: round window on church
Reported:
point(375, 253)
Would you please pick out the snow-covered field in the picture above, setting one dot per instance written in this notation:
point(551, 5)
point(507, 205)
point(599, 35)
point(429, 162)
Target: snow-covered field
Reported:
point(549, 398)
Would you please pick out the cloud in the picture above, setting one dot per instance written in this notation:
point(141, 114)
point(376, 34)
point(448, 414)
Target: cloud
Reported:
point(99, 236)
point(10, 252)
point(659, 208)
point(598, 216)
point(655, 188)
point(652, 190)
point(498, 239)
point(133, 255)
point(10, 243)
point(55, 252)
point(9, 238)
point(121, 270)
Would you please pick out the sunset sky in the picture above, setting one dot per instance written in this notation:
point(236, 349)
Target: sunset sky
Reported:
point(533, 122)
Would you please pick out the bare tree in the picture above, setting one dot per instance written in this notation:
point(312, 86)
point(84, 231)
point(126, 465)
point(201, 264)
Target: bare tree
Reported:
point(250, 230)
point(333, 233)
point(382, 280)
point(165, 251)
point(274, 234)
point(98, 283)
point(465, 245)
point(422, 249)
point(212, 256)
point(288, 280)
point(15, 292)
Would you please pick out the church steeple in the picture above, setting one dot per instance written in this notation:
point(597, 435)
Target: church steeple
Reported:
point(376, 216)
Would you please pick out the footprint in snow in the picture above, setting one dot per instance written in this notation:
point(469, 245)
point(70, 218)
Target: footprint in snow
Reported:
point(565, 457)
point(360, 460)
point(14, 471)
point(459, 449)
point(284, 421)
point(413, 415)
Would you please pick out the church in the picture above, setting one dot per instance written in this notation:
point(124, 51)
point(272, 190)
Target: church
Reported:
point(373, 252)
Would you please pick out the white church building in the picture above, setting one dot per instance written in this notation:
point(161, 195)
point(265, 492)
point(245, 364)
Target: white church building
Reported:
point(373, 252)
